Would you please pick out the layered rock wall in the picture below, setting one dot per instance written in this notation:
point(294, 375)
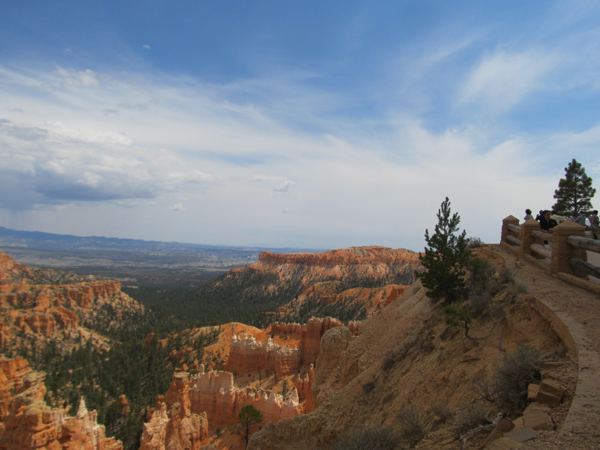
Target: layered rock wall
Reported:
point(172, 431)
point(28, 423)
point(349, 256)
point(215, 393)
point(247, 355)
point(34, 311)
point(310, 340)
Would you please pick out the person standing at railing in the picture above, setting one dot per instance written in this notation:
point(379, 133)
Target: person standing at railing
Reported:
point(595, 224)
point(527, 215)
point(546, 223)
point(581, 219)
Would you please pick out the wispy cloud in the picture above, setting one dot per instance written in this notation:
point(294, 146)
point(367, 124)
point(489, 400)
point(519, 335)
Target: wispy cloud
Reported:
point(285, 186)
point(135, 144)
point(502, 80)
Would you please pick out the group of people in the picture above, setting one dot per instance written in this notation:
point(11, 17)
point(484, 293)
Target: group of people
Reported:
point(547, 223)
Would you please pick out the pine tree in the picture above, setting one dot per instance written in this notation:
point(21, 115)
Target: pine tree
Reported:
point(249, 416)
point(574, 191)
point(445, 258)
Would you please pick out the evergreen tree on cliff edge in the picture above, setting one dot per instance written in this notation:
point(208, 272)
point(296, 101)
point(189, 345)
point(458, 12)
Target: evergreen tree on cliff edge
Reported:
point(445, 257)
point(574, 192)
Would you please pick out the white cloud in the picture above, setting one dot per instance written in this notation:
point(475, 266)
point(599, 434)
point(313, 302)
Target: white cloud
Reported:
point(146, 47)
point(502, 80)
point(234, 160)
point(266, 178)
point(78, 78)
point(284, 187)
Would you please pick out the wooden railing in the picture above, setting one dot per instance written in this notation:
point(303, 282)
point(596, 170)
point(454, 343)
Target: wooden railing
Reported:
point(565, 257)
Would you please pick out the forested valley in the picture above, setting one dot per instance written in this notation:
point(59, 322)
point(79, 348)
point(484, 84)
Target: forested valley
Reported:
point(141, 368)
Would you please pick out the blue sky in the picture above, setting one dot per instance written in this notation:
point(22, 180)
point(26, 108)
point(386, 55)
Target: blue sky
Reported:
point(291, 124)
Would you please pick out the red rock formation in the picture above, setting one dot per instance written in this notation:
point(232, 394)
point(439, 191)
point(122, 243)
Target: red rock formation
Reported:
point(310, 342)
point(123, 405)
point(11, 272)
point(35, 312)
point(14, 380)
point(348, 256)
point(28, 423)
point(164, 433)
point(247, 355)
point(180, 429)
point(214, 392)
point(303, 385)
point(178, 393)
point(323, 277)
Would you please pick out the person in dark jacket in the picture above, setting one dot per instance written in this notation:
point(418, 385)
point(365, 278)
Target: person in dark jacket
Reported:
point(546, 223)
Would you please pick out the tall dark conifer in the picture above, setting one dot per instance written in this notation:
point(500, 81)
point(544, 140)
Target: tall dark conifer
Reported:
point(574, 192)
point(445, 257)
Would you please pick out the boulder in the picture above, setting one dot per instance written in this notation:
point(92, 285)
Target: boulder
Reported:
point(550, 393)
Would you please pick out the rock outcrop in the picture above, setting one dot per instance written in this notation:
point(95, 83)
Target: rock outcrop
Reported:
point(28, 423)
point(172, 431)
point(247, 354)
point(39, 305)
point(358, 280)
point(215, 393)
point(373, 255)
point(16, 377)
point(195, 400)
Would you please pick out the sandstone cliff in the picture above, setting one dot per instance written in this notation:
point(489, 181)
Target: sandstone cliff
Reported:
point(34, 312)
point(248, 354)
point(349, 284)
point(28, 423)
point(194, 401)
point(215, 393)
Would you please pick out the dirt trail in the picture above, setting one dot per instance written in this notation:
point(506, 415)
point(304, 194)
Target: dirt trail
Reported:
point(579, 310)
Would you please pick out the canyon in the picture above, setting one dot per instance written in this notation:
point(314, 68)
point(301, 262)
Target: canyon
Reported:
point(314, 382)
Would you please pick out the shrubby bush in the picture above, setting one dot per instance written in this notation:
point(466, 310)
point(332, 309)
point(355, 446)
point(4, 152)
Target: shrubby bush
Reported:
point(412, 424)
point(470, 417)
point(517, 370)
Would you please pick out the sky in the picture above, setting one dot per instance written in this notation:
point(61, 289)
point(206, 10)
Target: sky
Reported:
point(308, 124)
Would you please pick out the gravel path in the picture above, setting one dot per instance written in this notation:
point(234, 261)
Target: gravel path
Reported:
point(579, 310)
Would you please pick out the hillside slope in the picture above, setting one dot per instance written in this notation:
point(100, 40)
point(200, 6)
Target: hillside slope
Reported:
point(407, 355)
